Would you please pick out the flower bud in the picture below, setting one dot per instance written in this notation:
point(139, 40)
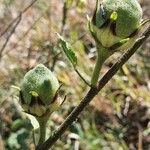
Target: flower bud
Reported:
point(116, 22)
point(38, 93)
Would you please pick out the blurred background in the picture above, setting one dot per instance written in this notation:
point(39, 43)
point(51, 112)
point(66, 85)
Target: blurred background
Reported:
point(118, 118)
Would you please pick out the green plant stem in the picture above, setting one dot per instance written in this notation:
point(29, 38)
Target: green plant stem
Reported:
point(102, 55)
point(86, 82)
point(42, 124)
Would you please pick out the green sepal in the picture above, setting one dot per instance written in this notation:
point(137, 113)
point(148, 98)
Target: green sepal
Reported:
point(119, 44)
point(90, 28)
point(38, 110)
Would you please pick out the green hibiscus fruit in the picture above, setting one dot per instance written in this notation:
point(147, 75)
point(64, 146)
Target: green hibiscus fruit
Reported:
point(115, 23)
point(38, 93)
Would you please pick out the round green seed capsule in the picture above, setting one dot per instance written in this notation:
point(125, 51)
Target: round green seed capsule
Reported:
point(42, 81)
point(129, 15)
point(116, 20)
point(38, 90)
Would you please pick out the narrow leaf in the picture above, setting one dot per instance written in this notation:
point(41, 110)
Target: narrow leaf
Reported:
point(68, 51)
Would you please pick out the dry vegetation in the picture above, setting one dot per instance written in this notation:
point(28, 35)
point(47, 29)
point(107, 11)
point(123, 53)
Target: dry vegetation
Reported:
point(118, 118)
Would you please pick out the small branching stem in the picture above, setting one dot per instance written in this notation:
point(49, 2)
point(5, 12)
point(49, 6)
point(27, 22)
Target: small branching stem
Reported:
point(83, 79)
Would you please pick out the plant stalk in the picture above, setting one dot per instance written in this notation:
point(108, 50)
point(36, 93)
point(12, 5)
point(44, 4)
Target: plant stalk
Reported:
point(102, 55)
point(42, 124)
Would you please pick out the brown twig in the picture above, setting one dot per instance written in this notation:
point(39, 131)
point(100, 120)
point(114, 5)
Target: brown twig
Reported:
point(55, 59)
point(93, 92)
point(16, 21)
point(64, 16)
point(9, 36)
point(21, 38)
point(13, 21)
point(140, 138)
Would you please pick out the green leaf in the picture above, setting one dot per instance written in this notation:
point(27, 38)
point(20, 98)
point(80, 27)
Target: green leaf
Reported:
point(19, 123)
point(68, 51)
